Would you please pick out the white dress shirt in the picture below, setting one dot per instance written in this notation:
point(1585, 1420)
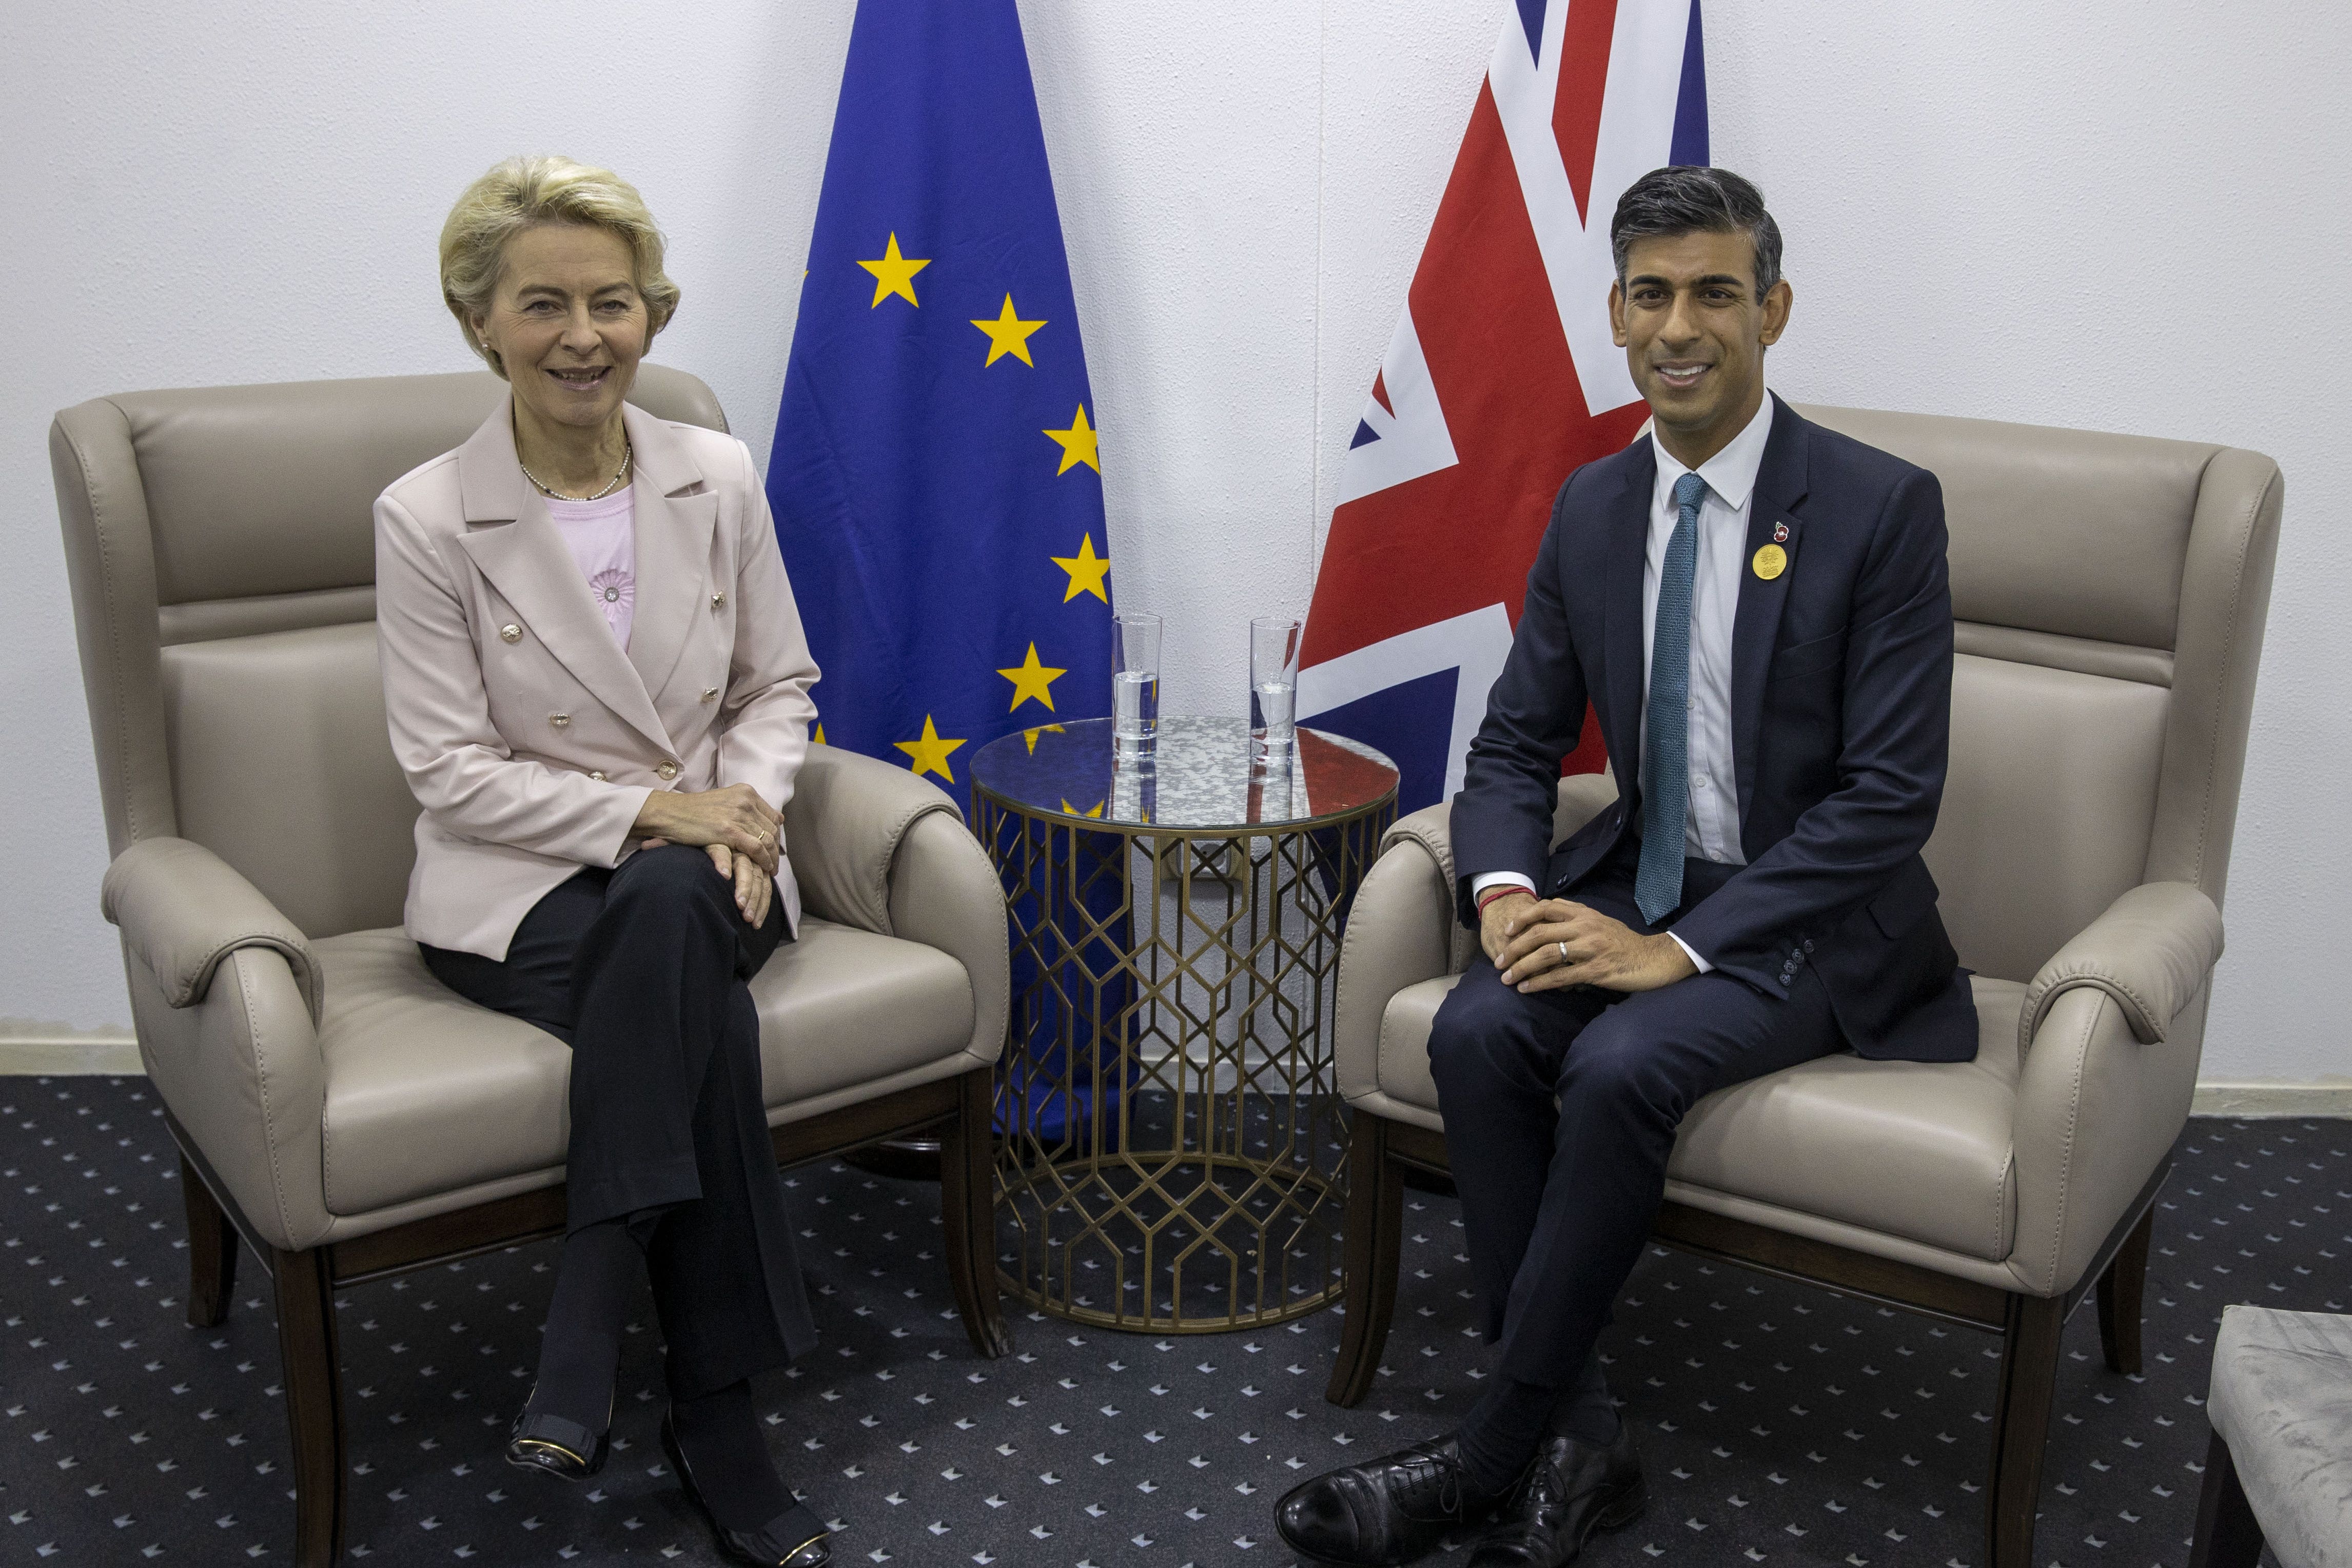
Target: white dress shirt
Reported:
point(1711, 820)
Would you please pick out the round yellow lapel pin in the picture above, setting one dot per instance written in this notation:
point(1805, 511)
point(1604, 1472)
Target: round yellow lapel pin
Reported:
point(1770, 562)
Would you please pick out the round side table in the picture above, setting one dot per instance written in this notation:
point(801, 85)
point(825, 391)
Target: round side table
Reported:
point(1173, 1152)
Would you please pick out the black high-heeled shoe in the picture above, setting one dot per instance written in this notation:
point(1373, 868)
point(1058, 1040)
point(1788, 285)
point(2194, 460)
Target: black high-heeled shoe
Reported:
point(796, 1538)
point(556, 1447)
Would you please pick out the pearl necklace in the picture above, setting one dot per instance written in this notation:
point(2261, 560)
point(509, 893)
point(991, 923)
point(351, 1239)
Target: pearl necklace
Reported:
point(627, 453)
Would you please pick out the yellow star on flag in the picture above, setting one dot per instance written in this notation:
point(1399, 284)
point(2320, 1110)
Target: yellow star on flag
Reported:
point(894, 274)
point(1074, 811)
point(1086, 571)
point(1078, 445)
point(1031, 678)
point(931, 753)
point(1008, 334)
point(1031, 735)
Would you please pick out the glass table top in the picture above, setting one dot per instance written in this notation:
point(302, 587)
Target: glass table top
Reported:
point(1202, 776)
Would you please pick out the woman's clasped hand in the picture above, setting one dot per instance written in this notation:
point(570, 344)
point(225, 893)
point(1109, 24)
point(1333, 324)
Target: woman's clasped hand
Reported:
point(744, 834)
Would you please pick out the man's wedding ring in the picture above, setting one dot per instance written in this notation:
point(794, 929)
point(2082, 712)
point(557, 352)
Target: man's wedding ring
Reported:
point(1563, 951)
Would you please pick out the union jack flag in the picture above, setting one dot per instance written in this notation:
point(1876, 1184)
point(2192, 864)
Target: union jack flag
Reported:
point(1501, 380)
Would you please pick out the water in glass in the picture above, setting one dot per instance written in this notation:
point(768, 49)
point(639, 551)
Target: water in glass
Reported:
point(1274, 686)
point(1272, 706)
point(1135, 706)
point(1135, 685)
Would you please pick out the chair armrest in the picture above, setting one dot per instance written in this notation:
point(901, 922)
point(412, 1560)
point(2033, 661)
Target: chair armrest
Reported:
point(2151, 952)
point(183, 910)
point(1401, 932)
point(227, 997)
point(945, 893)
point(843, 827)
point(1431, 827)
point(874, 847)
point(1402, 928)
point(2112, 1029)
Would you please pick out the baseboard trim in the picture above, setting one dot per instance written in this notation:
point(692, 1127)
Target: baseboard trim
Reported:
point(2263, 1098)
point(28, 1050)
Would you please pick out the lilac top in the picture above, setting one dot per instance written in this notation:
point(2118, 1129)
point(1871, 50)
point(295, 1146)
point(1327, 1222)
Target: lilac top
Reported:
point(602, 538)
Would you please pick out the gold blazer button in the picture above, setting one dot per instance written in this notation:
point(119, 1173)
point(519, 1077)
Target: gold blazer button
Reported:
point(717, 601)
point(510, 632)
point(599, 778)
point(711, 694)
point(561, 720)
point(667, 769)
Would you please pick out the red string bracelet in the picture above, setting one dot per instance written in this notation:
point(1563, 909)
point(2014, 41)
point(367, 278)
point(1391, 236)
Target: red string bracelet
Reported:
point(1491, 894)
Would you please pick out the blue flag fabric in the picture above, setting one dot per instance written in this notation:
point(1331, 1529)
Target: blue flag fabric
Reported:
point(937, 493)
point(934, 481)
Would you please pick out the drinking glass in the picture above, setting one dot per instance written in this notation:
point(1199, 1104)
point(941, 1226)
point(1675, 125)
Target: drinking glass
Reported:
point(1134, 685)
point(1273, 688)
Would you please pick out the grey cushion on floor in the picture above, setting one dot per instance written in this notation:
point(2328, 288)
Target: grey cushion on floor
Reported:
point(2282, 1399)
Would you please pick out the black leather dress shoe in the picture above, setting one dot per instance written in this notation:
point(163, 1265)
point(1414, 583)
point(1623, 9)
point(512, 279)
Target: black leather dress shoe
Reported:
point(1385, 1511)
point(796, 1538)
point(1573, 1490)
point(555, 1446)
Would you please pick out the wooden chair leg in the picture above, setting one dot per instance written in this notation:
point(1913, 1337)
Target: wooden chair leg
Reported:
point(2119, 1298)
point(968, 1213)
point(1375, 1233)
point(2021, 1426)
point(2228, 1534)
point(212, 1251)
point(314, 1404)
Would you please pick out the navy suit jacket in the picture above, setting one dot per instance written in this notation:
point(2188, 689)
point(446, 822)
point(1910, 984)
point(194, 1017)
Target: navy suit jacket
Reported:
point(1841, 719)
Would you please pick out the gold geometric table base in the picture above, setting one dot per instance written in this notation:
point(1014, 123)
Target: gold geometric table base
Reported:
point(1174, 1144)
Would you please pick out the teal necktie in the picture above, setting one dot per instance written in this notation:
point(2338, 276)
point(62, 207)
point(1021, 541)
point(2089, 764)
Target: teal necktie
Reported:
point(1665, 758)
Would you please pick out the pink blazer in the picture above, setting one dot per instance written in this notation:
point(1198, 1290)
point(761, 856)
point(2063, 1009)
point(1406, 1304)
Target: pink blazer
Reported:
point(529, 737)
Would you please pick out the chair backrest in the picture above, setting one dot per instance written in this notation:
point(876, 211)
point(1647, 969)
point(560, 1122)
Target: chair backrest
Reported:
point(221, 548)
point(2109, 593)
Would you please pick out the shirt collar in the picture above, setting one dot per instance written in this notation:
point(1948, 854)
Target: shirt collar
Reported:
point(1731, 473)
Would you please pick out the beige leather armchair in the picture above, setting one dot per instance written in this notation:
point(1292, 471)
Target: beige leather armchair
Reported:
point(335, 1107)
point(2110, 593)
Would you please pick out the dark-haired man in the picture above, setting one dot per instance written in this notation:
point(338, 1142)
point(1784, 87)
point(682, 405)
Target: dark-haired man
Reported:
point(1758, 611)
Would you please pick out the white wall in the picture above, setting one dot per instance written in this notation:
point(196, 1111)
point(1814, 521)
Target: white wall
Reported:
point(2125, 214)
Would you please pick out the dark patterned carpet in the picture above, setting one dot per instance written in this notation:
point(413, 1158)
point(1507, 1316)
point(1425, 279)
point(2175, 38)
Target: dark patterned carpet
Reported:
point(1779, 1423)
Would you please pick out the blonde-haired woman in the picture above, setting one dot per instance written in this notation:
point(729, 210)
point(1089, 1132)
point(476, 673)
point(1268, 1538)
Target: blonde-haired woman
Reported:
point(598, 690)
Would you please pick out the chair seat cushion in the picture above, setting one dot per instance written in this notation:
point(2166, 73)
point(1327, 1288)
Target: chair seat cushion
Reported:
point(429, 1093)
point(2282, 1399)
point(1919, 1150)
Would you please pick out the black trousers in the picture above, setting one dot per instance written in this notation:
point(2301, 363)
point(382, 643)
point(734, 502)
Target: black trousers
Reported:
point(642, 970)
point(1561, 1109)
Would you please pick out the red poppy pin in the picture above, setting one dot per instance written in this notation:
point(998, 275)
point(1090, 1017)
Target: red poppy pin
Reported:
point(1780, 533)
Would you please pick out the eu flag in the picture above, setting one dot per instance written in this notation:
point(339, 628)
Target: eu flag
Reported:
point(938, 492)
point(935, 480)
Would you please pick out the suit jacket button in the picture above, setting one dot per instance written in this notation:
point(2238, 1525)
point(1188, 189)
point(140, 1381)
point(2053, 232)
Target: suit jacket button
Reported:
point(717, 601)
point(666, 768)
point(1809, 945)
point(510, 632)
point(711, 694)
point(597, 776)
point(561, 720)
